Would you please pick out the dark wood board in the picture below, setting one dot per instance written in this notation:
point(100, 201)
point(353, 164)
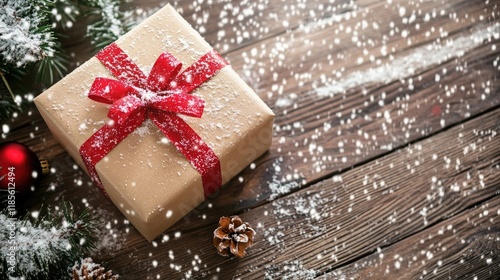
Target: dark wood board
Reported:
point(336, 221)
point(383, 108)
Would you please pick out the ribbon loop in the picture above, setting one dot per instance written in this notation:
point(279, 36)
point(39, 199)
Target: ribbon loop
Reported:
point(164, 70)
point(199, 72)
point(160, 96)
point(107, 91)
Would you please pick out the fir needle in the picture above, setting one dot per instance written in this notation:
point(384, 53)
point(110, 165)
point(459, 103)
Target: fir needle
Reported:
point(8, 87)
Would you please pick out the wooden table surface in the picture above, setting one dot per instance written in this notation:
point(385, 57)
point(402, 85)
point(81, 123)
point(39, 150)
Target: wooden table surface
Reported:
point(385, 162)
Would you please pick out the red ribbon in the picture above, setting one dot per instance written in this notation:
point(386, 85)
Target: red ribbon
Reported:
point(160, 97)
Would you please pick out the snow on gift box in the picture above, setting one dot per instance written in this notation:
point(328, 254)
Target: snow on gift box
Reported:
point(160, 143)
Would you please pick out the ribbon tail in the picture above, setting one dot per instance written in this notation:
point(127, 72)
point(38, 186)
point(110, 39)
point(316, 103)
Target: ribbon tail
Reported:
point(103, 141)
point(199, 72)
point(190, 144)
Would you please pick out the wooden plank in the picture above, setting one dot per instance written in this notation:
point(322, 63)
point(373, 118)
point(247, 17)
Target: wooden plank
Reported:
point(343, 218)
point(231, 25)
point(317, 134)
point(324, 117)
point(306, 147)
point(466, 246)
point(225, 25)
point(321, 131)
point(29, 127)
point(317, 111)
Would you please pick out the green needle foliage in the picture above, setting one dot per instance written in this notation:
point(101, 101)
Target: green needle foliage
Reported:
point(46, 247)
point(30, 35)
point(110, 23)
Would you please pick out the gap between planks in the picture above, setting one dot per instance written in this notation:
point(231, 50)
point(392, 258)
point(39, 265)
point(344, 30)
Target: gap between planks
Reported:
point(332, 223)
point(465, 246)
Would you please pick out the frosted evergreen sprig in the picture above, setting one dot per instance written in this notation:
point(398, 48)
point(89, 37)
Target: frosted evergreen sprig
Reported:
point(8, 101)
point(63, 13)
point(23, 39)
point(44, 247)
point(30, 40)
point(27, 39)
point(111, 23)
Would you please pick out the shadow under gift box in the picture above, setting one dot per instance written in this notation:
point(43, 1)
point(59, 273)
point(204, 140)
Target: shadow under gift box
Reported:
point(146, 177)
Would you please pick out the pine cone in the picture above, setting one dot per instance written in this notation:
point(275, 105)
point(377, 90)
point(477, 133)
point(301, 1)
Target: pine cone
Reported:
point(233, 236)
point(88, 270)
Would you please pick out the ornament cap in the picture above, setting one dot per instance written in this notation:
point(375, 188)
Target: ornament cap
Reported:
point(45, 166)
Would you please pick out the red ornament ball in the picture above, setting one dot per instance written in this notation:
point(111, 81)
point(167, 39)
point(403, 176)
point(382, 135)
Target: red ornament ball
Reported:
point(20, 168)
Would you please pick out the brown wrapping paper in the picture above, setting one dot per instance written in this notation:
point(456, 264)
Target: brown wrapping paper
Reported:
point(152, 184)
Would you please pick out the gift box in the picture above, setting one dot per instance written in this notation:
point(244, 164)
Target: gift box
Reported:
point(159, 120)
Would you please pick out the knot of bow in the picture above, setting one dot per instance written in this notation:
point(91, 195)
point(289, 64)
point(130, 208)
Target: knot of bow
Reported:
point(160, 96)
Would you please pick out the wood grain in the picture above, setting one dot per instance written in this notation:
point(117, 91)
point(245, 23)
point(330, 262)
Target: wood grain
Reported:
point(317, 135)
point(383, 160)
point(229, 25)
point(465, 246)
point(352, 214)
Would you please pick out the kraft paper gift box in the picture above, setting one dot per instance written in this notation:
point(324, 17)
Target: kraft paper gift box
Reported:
point(152, 183)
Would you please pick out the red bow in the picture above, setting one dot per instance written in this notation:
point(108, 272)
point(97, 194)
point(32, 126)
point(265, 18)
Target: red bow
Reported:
point(160, 97)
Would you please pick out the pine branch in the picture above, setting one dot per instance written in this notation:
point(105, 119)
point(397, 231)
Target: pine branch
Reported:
point(9, 102)
point(63, 13)
point(53, 64)
point(8, 108)
point(28, 39)
point(22, 42)
point(52, 67)
point(111, 22)
point(7, 86)
point(79, 229)
point(46, 247)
